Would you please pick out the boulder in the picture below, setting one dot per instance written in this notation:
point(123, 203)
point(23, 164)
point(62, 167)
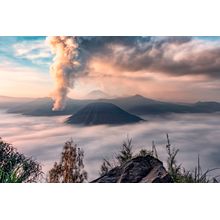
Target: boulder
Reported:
point(141, 169)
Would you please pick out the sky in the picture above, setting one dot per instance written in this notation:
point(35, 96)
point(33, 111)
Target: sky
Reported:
point(166, 68)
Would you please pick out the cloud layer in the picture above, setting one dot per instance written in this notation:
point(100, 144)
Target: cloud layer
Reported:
point(175, 56)
point(43, 138)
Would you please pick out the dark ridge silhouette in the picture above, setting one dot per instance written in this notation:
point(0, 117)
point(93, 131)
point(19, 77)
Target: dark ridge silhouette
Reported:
point(9, 102)
point(136, 104)
point(102, 113)
point(43, 107)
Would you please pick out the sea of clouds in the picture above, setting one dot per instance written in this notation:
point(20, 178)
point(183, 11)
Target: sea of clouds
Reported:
point(43, 138)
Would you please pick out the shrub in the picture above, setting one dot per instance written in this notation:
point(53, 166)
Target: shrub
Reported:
point(15, 167)
point(126, 152)
point(11, 177)
point(105, 167)
point(180, 174)
point(152, 152)
point(70, 169)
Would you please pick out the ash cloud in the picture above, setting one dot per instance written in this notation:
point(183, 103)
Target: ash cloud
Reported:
point(63, 67)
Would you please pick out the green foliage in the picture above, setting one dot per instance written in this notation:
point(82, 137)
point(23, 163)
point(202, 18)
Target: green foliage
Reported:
point(70, 169)
point(153, 152)
point(105, 167)
point(15, 167)
point(126, 152)
point(173, 169)
point(11, 177)
point(180, 174)
point(145, 152)
point(124, 155)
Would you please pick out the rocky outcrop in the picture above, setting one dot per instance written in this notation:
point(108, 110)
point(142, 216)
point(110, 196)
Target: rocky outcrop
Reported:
point(141, 169)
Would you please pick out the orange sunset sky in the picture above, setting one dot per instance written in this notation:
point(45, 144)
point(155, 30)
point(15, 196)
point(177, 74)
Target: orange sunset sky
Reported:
point(166, 68)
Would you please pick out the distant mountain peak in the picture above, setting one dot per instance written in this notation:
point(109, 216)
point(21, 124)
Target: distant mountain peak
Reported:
point(97, 94)
point(137, 95)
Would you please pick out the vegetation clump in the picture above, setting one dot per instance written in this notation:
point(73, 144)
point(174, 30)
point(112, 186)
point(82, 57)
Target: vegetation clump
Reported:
point(70, 169)
point(178, 173)
point(15, 167)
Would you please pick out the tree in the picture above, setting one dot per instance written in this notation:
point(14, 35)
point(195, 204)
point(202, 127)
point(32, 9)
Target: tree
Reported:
point(126, 153)
point(173, 168)
point(70, 169)
point(15, 167)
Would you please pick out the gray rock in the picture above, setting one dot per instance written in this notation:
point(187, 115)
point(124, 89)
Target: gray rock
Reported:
point(141, 169)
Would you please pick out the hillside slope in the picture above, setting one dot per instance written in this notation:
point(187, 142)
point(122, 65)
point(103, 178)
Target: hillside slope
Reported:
point(102, 113)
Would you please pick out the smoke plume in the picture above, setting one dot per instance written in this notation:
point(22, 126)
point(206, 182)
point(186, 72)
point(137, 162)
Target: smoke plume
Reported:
point(63, 67)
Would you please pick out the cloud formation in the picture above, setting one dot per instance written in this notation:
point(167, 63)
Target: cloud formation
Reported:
point(177, 56)
point(43, 138)
point(166, 68)
point(23, 81)
point(32, 50)
point(63, 67)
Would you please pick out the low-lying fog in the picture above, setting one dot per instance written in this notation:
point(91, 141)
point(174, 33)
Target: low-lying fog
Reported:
point(43, 138)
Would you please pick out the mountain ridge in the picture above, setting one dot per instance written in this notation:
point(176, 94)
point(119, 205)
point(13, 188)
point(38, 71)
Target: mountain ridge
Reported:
point(137, 104)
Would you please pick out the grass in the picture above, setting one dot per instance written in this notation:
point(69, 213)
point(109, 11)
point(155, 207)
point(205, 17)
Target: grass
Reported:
point(181, 175)
point(9, 177)
point(16, 167)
